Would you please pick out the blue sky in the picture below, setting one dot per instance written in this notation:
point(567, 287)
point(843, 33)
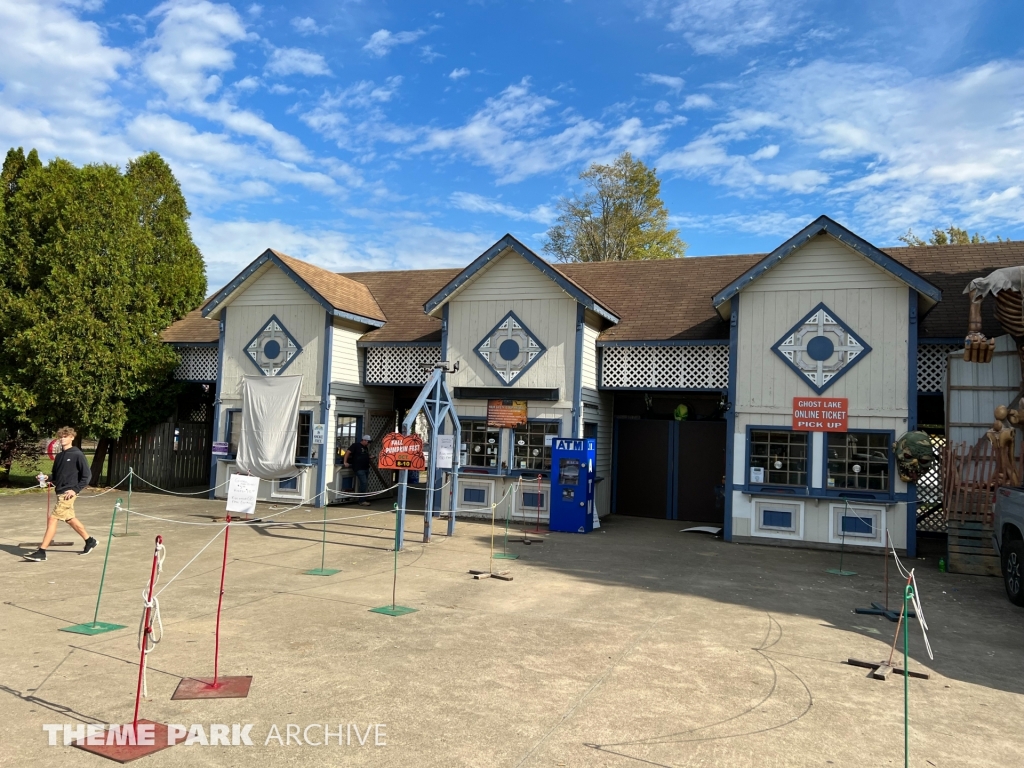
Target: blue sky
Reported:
point(377, 135)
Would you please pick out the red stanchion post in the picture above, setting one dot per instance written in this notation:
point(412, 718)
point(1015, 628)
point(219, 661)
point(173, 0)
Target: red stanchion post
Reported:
point(220, 602)
point(147, 631)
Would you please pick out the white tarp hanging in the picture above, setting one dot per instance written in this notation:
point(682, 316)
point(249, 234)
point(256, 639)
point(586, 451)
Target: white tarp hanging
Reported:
point(270, 425)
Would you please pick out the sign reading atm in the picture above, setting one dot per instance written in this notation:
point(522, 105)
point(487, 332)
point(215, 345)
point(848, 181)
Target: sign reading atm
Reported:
point(565, 444)
point(820, 414)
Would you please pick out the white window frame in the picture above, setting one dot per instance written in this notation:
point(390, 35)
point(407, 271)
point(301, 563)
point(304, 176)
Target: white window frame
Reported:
point(875, 512)
point(796, 531)
point(467, 482)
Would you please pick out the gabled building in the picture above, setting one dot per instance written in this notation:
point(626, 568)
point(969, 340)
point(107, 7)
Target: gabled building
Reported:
point(689, 373)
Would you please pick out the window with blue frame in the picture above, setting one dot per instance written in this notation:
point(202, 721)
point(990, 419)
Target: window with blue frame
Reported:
point(474, 495)
point(531, 445)
point(234, 428)
point(304, 439)
point(347, 431)
point(778, 458)
point(482, 443)
point(858, 461)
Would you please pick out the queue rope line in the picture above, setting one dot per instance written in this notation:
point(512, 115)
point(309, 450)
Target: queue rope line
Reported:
point(148, 638)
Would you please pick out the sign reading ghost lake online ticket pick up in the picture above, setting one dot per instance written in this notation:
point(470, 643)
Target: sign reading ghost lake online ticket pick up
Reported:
point(820, 414)
point(242, 493)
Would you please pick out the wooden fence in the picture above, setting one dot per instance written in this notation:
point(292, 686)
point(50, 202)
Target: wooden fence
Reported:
point(169, 455)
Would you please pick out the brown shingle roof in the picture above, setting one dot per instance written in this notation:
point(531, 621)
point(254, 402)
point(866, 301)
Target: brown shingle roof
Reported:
point(402, 295)
point(193, 328)
point(339, 291)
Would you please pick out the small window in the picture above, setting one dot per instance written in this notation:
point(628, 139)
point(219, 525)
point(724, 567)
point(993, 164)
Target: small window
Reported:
point(531, 445)
point(346, 433)
point(858, 461)
point(288, 484)
point(304, 440)
point(474, 495)
point(590, 430)
point(778, 458)
point(234, 430)
point(482, 444)
point(532, 499)
point(858, 526)
point(774, 518)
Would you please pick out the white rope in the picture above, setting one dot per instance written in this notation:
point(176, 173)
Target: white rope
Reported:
point(191, 561)
point(176, 493)
point(153, 603)
point(110, 489)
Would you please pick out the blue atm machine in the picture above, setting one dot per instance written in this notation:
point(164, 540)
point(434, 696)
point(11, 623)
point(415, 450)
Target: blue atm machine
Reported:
point(572, 485)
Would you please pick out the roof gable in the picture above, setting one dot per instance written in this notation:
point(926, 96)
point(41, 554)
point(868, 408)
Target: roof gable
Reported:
point(825, 225)
point(339, 295)
point(470, 273)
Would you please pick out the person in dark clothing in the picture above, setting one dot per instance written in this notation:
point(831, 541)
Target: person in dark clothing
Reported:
point(69, 476)
point(358, 460)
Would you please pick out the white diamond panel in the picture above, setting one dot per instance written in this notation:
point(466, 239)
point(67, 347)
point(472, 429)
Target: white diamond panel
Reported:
point(400, 365)
point(675, 367)
point(197, 363)
point(931, 366)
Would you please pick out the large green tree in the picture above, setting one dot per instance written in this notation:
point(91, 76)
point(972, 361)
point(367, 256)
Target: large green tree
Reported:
point(619, 216)
point(94, 264)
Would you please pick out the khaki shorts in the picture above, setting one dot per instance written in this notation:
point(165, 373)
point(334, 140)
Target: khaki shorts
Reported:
point(65, 510)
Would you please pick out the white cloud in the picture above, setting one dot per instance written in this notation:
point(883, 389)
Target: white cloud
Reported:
point(763, 223)
point(514, 135)
point(698, 101)
point(458, 73)
point(249, 83)
point(382, 41)
point(673, 83)
point(304, 25)
point(468, 201)
point(663, 108)
point(296, 61)
point(429, 55)
point(766, 153)
point(352, 117)
point(725, 26)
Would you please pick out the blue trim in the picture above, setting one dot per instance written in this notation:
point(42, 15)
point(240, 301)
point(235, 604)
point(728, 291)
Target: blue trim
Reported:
point(495, 470)
point(263, 327)
point(525, 368)
point(823, 224)
point(577, 384)
point(374, 344)
point(228, 417)
point(444, 332)
point(911, 421)
point(667, 343)
point(217, 402)
point(514, 471)
point(730, 418)
point(803, 378)
point(325, 408)
point(787, 490)
point(858, 493)
point(263, 258)
point(533, 259)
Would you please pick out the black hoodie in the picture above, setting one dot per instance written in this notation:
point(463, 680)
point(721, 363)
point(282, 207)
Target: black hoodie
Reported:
point(70, 471)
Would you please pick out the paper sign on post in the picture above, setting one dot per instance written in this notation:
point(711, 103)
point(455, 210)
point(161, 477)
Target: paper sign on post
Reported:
point(242, 493)
point(319, 433)
point(445, 451)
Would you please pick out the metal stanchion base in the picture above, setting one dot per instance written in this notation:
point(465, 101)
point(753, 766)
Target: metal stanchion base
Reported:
point(92, 628)
point(877, 609)
point(505, 556)
point(501, 575)
point(393, 610)
point(880, 670)
point(125, 753)
point(202, 688)
point(838, 572)
point(322, 571)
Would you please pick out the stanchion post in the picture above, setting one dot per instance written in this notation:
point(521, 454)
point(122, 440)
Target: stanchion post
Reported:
point(220, 603)
point(322, 571)
point(394, 609)
point(147, 629)
point(128, 514)
point(97, 627)
point(908, 593)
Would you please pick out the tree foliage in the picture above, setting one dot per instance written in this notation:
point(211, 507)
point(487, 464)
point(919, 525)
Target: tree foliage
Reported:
point(94, 264)
point(953, 235)
point(619, 216)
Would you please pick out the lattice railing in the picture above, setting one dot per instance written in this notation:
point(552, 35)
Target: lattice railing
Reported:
point(931, 366)
point(930, 514)
point(675, 367)
point(400, 365)
point(197, 364)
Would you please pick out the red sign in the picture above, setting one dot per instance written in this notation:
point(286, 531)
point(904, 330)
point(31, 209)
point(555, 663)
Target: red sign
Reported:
point(820, 414)
point(53, 448)
point(506, 413)
point(399, 451)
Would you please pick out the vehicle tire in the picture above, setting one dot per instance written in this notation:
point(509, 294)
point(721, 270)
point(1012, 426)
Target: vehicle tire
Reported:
point(1013, 571)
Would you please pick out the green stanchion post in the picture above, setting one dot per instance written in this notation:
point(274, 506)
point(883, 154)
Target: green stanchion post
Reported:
point(321, 571)
point(394, 610)
point(504, 554)
point(98, 627)
point(908, 593)
point(128, 511)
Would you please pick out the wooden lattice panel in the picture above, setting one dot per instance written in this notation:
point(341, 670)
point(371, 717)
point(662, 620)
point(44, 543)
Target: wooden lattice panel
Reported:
point(197, 364)
point(931, 366)
point(665, 367)
point(400, 365)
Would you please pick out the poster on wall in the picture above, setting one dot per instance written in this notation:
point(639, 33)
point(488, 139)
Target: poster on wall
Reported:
point(445, 451)
point(398, 451)
point(820, 414)
point(506, 413)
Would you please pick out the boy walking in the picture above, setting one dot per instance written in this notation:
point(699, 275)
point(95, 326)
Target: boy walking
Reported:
point(69, 476)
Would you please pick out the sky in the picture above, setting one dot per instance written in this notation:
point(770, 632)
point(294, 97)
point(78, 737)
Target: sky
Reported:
point(390, 135)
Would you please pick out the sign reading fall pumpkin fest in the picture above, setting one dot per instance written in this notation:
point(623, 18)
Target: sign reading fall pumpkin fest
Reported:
point(399, 451)
point(820, 414)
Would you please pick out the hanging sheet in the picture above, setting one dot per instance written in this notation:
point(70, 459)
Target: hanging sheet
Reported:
point(270, 421)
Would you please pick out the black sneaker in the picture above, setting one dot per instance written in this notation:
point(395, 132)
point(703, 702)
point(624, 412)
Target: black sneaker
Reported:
point(90, 545)
point(39, 556)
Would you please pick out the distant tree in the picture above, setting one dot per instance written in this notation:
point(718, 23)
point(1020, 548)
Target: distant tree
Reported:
point(94, 264)
point(953, 235)
point(620, 216)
